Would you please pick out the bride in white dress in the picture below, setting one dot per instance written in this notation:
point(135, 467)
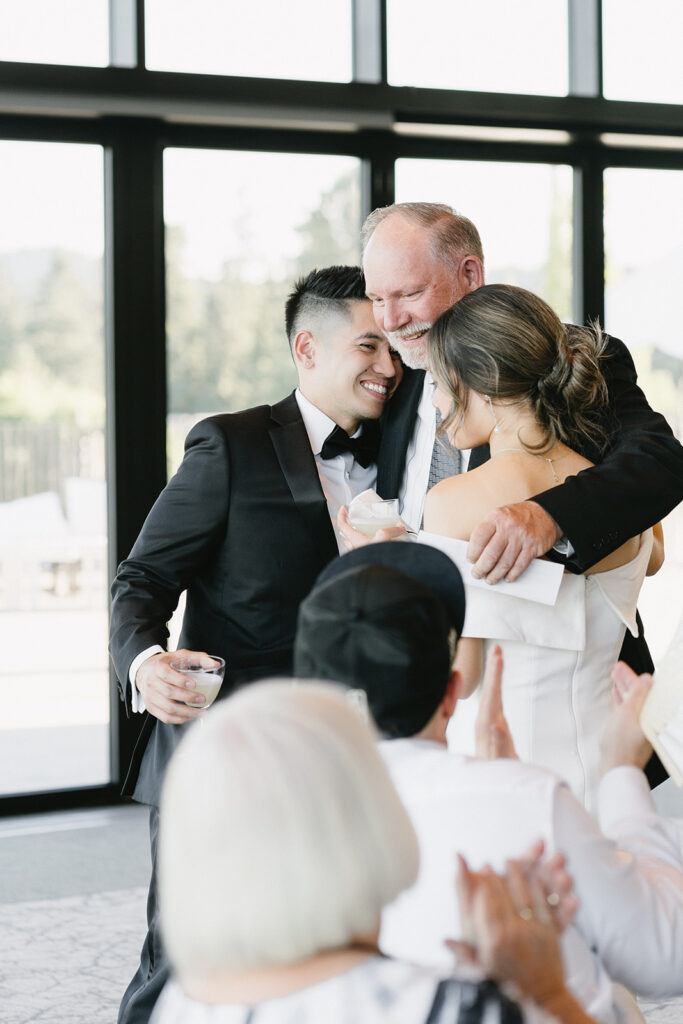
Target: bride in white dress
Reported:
point(510, 374)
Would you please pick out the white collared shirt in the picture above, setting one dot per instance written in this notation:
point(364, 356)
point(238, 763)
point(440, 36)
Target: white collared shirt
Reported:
point(341, 479)
point(419, 457)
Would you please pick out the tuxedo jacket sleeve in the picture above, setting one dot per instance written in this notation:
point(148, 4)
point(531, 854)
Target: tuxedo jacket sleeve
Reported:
point(176, 544)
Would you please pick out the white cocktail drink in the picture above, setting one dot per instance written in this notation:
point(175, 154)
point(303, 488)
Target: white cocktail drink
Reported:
point(207, 679)
point(207, 683)
point(374, 516)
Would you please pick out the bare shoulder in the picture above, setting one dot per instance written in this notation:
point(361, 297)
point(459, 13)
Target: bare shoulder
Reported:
point(456, 505)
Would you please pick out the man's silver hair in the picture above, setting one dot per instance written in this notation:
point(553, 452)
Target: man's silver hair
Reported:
point(452, 237)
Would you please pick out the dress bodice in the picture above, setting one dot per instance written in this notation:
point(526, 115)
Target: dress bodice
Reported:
point(557, 664)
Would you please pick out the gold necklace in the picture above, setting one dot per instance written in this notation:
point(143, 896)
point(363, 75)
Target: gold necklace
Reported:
point(534, 456)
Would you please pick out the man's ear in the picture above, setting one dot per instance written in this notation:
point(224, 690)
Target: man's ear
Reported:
point(453, 692)
point(471, 273)
point(303, 349)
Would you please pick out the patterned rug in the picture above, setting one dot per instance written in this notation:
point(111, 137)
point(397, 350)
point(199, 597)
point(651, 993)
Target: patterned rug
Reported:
point(68, 961)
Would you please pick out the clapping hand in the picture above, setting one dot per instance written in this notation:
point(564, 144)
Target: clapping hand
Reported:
point(623, 741)
point(491, 730)
point(510, 926)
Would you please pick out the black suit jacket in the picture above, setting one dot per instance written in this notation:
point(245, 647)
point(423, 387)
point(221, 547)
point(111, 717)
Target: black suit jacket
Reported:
point(243, 526)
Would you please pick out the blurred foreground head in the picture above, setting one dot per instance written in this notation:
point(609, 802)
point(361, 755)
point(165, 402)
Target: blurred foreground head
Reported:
point(281, 834)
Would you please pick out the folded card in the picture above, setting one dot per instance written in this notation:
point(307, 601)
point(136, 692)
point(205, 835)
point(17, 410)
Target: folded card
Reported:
point(540, 582)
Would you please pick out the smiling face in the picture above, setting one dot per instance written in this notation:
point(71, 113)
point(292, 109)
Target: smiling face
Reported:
point(346, 367)
point(409, 287)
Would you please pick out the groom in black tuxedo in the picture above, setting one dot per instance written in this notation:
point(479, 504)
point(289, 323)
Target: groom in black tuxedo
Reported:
point(245, 526)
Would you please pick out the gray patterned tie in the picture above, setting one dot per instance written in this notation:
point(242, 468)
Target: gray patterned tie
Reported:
point(446, 460)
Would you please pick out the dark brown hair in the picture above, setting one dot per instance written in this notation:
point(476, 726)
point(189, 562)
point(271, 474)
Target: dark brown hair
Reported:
point(508, 343)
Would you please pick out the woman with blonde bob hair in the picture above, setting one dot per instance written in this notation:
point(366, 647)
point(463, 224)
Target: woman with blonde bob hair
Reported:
point(509, 374)
point(281, 840)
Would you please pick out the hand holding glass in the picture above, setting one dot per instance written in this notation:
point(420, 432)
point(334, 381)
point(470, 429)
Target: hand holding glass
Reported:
point(207, 678)
point(368, 518)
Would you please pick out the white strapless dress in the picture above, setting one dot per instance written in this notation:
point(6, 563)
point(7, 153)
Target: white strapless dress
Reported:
point(557, 665)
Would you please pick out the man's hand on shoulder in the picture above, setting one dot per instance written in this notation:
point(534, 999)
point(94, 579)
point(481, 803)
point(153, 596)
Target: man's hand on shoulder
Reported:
point(505, 543)
point(165, 690)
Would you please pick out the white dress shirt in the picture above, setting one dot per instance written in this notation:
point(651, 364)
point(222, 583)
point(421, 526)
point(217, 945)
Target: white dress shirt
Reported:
point(413, 487)
point(628, 878)
point(341, 479)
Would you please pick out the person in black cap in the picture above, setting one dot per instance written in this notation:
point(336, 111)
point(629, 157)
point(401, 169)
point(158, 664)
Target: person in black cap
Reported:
point(384, 619)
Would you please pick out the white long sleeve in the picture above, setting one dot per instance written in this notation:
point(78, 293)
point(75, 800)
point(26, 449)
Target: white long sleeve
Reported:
point(629, 882)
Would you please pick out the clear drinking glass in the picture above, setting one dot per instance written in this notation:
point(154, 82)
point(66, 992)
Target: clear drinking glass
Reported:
point(373, 516)
point(207, 681)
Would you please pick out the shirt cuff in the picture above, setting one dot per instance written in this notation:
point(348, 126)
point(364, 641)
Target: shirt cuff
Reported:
point(137, 701)
point(564, 547)
point(622, 793)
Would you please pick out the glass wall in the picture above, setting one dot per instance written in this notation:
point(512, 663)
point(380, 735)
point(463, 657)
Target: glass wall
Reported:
point(643, 273)
point(488, 46)
point(304, 39)
point(46, 32)
point(231, 260)
point(523, 213)
point(54, 728)
point(249, 202)
point(641, 50)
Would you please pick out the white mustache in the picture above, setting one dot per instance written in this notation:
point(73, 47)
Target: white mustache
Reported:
point(408, 329)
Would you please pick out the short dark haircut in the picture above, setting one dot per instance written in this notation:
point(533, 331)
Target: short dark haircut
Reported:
point(325, 292)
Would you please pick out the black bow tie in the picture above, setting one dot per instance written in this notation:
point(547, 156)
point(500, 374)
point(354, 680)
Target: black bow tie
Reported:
point(363, 448)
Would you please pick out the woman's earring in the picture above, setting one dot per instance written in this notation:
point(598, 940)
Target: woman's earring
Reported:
point(493, 413)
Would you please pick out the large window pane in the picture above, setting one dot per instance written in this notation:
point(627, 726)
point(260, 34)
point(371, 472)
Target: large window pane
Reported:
point(234, 247)
point(303, 39)
point(240, 227)
point(54, 728)
point(488, 46)
point(642, 50)
point(523, 213)
point(51, 32)
point(644, 268)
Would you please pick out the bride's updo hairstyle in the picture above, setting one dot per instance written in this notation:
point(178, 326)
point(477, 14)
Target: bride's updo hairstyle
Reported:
point(507, 343)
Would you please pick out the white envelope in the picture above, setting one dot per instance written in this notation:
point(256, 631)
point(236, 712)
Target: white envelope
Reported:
point(540, 582)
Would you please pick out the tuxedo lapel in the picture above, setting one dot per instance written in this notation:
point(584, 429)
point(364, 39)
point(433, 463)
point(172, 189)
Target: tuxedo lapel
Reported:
point(293, 451)
point(397, 425)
